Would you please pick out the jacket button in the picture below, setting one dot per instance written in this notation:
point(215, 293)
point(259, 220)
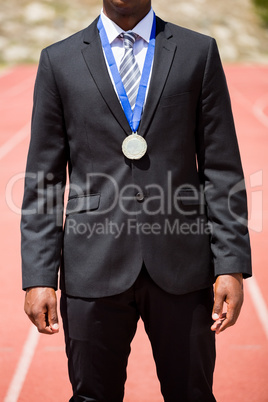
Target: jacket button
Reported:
point(140, 196)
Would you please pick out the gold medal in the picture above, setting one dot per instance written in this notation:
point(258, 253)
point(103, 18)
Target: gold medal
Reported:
point(134, 146)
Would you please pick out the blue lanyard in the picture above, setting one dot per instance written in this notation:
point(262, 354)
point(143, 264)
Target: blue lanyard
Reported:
point(133, 117)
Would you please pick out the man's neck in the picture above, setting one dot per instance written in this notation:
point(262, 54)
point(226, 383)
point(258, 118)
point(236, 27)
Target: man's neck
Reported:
point(126, 21)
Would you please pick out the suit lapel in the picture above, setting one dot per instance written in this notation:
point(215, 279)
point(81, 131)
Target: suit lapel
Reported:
point(94, 58)
point(163, 58)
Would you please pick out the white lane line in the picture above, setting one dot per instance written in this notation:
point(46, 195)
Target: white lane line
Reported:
point(23, 366)
point(259, 303)
point(259, 109)
point(10, 144)
point(256, 108)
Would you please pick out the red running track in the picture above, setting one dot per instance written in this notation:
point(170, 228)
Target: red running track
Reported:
point(33, 367)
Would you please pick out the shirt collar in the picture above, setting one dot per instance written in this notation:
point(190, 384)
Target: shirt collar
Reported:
point(143, 28)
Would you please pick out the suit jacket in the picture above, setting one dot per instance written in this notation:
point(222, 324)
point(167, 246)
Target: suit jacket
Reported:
point(181, 208)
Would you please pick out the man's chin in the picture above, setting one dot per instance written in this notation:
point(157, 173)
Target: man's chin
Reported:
point(127, 5)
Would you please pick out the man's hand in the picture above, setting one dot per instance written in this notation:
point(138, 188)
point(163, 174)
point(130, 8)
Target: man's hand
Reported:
point(228, 289)
point(41, 307)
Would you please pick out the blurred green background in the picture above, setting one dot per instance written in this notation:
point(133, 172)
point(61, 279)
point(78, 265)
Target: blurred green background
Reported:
point(262, 9)
point(239, 26)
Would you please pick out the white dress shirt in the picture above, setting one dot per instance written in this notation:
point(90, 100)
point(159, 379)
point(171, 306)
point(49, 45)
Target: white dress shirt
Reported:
point(142, 29)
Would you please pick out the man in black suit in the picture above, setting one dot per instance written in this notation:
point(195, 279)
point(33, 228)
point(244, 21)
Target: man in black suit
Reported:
point(150, 224)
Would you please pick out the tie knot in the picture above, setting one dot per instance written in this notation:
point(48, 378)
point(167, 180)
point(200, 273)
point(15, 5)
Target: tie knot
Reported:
point(129, 39)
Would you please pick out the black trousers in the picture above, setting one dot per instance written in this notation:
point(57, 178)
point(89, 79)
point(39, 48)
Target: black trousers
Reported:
point(98, 333)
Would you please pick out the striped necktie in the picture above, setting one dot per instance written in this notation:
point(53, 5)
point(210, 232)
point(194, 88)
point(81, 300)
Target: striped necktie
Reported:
point(129, 70)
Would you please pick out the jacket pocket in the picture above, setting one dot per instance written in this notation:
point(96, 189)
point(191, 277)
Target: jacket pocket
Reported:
point(175, 100)
point(191, 197)
point(192, 203)
point(82, 204)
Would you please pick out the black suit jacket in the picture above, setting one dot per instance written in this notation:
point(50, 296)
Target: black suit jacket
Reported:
point(161, 203)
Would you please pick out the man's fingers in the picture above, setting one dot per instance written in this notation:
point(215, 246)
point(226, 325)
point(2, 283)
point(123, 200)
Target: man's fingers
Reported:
point(233, 311)
point(218, 323)
point(218, 306)
point(52, 317)
point(42, 325)
point(41, 308)
point(229, 289)
point(217, 314)
point(40, 321)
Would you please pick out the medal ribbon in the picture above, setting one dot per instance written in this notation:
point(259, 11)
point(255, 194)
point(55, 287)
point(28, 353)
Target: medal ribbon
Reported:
point(133, 117)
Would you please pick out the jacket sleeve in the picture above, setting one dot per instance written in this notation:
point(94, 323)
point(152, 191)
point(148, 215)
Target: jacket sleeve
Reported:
point(42, 209)
point(221, 172)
